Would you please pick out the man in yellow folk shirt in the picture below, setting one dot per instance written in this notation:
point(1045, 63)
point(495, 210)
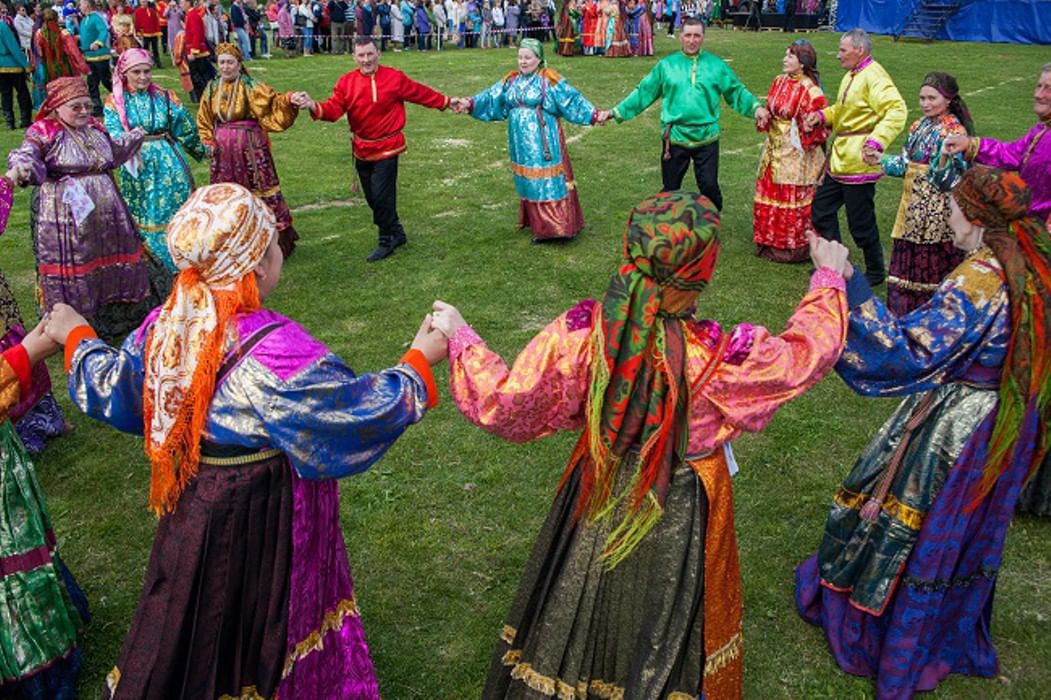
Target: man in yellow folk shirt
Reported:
point(867, 116)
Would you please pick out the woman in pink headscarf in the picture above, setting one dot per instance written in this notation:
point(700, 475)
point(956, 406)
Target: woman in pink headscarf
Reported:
point(156, 182)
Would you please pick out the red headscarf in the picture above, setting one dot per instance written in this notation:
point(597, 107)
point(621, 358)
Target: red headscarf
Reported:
point(59, 92)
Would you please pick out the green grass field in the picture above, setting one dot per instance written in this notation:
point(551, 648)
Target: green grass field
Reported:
point(439, 530)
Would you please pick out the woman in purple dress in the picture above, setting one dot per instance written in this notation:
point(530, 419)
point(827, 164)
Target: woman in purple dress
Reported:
point(87, 250)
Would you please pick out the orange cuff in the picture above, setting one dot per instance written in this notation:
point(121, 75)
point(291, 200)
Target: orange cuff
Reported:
point(415, 359)
point(18, 359)
point(73, 340)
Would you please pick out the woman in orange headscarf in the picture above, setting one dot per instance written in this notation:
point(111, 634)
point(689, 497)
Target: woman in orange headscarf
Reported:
point(248, 421)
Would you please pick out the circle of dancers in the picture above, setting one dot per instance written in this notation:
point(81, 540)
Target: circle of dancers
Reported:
point(155, 292)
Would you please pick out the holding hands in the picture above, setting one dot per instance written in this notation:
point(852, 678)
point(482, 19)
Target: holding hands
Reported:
point(871, 155)
point(303, 101)
point(830, 254)
point(18, 174)
point(812, 121)
point(603, 116)
point(39, 346)
point(431, 342)
point(446, 318)
point(762, 117)
point(957, 143)
point(460, 105)
point(62, 319)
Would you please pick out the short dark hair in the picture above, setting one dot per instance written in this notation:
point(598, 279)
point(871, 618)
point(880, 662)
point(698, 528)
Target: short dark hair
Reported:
point(364, 41)
point(690, 21)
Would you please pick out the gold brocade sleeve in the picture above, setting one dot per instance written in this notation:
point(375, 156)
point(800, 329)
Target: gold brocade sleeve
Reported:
point(270, 108)
point(206, 118)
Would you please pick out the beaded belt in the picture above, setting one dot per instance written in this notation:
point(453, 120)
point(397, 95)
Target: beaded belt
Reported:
point(241, 459)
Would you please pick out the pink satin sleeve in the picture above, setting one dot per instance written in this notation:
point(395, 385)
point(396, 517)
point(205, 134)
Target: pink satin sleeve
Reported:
point(760, 371)
point(544, 391)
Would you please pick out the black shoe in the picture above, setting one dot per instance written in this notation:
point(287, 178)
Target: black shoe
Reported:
point(381, 252)
point(876, 278)
point(399, 240)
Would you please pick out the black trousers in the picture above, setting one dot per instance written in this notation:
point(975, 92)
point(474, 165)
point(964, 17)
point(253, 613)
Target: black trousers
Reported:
point(153, 44)
point(705, 170)
point(99, 73)
point(379, 181)
point(201, 72)
point(860, 201)
point(790, 15)
point(11, 83)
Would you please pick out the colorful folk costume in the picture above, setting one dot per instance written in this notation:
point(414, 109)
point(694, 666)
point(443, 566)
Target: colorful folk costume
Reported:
point(375, 109)
point(42, 607)
point(248, 592)
point(617, 44)
point(235, 118)
point(158, 180)
point(868, 111)
point(690, 88)
point(532, 106)
point(633, 588)
point(903, 580)
point(923, 252)
point(567, 32)
point(640, 30)
point(88, 252)
point(791, 164)
point(1030, 156)
point(54, 55)
point(589, 27)
point(36, 416)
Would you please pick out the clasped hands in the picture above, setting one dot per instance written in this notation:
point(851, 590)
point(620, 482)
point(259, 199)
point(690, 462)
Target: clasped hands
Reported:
point(302, 100)
point(831, 254)
point(432, 339)
point(50, 334)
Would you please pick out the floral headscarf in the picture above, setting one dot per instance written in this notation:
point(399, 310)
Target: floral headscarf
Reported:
point(638, 398)
point(216, 240)
point(999, 201)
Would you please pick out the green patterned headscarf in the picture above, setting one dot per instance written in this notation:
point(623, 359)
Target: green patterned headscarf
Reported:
point(536, 47)
point(638, 397)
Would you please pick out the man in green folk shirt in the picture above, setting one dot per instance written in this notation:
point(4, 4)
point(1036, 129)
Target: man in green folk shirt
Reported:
point(691, 82)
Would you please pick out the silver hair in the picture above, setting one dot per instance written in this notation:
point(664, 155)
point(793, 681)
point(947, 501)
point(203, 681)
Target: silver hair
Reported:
point(859, 39)
point(1046, 68)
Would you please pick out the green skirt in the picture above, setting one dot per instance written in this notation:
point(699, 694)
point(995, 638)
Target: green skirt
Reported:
point(40, 621)
point(577, 630)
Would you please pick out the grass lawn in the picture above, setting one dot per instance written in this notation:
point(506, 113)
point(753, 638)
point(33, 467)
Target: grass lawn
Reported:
point(439, 530)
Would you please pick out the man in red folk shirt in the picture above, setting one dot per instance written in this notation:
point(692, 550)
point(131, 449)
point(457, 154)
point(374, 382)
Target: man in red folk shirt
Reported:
point(373, 97)
point(195, 46)
point(148, 28)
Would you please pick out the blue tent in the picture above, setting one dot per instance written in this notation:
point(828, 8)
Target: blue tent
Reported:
point(1011, 21)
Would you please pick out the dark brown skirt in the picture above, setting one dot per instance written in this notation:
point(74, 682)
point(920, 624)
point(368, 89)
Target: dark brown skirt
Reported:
point(213, 615)
point(578, 630)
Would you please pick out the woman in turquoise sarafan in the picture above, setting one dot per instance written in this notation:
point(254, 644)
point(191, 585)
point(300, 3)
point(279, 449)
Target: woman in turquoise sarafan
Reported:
point(531, 100)
point(156, 183)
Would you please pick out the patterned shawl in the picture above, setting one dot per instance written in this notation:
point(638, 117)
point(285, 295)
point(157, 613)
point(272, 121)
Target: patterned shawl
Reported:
point(216, 240)
point(999, 201)
point(638, 399)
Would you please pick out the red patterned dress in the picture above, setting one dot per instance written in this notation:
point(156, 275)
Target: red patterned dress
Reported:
point(789, 169)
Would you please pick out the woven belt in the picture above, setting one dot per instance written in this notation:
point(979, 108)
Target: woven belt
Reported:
point(155, 137)
point(240, 460)
point(853, 133)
